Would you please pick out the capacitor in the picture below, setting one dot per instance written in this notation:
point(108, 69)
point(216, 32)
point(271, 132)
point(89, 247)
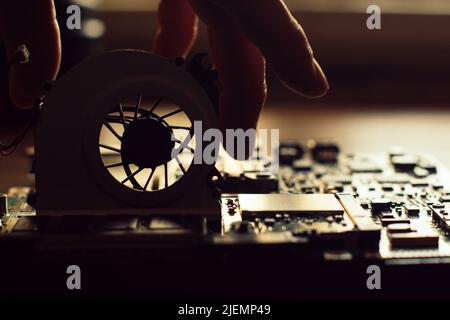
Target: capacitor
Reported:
point(3, 205)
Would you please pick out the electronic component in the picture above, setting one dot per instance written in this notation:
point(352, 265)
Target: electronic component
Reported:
point(427, 165)
point(380, 206)
point(302, 165)
point(405, 163)
point(399, 228)
point(395, 151)
point(289, 152)
point(412, 210)
point(250, 182)
point(368, 207)
point(412, 239)
point(115, 175)
point(359, 217)
point(323, 151)
point(441, 215)
point(3, 205)
point(317, 204)
point(388, 221)
point(365, 167)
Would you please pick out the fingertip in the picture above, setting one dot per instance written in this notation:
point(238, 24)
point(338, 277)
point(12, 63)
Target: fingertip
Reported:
point(319, 86)
point(283, 42)
point(309, 84)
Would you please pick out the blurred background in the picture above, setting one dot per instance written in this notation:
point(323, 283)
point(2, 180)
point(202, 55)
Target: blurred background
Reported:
point(407, 61)
point(388, 86)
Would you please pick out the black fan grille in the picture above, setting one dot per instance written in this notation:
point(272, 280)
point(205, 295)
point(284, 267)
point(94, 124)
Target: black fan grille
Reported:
point(125, 115)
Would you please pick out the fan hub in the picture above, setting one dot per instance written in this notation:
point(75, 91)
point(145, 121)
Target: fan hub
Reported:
point(147, 143)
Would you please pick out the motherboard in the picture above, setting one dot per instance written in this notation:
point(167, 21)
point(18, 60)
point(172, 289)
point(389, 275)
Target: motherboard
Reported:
point(322, 203)
point(395, 205)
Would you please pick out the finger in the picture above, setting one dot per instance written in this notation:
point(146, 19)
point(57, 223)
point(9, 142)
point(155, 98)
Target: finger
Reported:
point(273, 29)
point(241, 69)
point(177, 28)
point(240, 66)
point(34, 24)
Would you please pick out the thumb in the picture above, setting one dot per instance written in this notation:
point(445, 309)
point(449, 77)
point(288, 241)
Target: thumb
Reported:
point(32, 23)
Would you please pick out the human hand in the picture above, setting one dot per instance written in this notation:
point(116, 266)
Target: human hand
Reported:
point(243, 34)
point(33, 23)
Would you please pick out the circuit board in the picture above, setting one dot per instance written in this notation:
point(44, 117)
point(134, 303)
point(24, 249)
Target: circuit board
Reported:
point(393, 206)
point(396, 203)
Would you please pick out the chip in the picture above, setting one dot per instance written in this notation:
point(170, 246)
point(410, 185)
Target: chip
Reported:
point(323, 204)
